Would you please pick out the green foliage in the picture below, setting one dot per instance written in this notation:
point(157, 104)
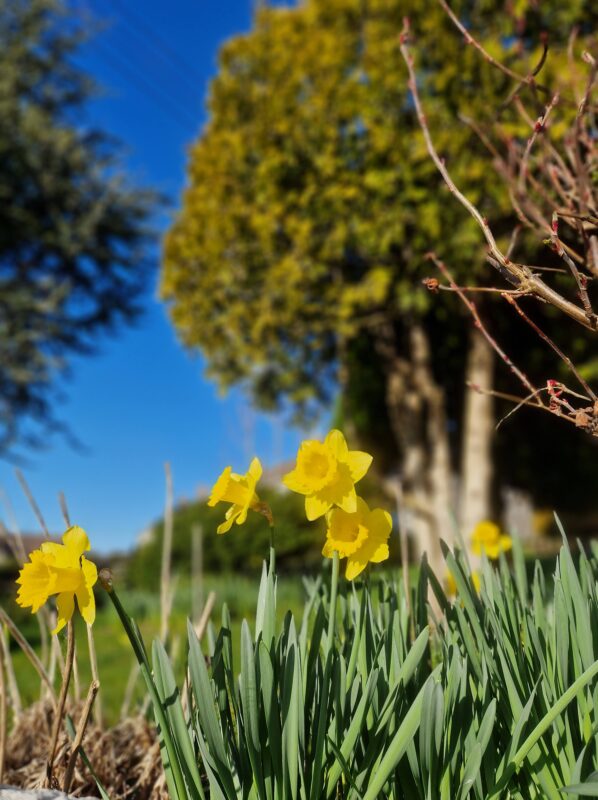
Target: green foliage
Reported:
point(298, 542)
point(73, 235)
point(497, 699)
point(312, 200)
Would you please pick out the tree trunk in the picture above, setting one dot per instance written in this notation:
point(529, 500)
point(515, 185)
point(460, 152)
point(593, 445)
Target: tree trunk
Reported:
point(417, 413)
point(438, 478)
point(478, 431)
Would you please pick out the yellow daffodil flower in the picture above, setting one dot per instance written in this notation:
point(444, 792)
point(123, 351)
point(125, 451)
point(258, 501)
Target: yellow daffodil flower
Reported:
point(451, 585)
point(60, 569)
point(360, 536)
point(326, 473)
point(239, 490)
point(487, 538)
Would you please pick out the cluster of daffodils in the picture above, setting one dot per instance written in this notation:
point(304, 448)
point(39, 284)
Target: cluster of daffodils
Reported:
point(325, 473)
point(62, 570)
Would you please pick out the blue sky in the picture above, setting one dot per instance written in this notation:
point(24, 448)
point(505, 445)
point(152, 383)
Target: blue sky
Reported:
point(143, 400)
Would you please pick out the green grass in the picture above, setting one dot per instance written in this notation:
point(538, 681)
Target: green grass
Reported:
point(115, 658)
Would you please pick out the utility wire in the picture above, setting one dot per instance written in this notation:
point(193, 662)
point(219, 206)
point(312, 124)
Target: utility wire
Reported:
point(117, 60)
point(143, 84)
point(160, 45)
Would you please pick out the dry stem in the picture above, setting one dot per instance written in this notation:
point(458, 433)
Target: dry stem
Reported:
point(59, 713)
point(13, 688)
point(93, 660)
point(29, 652)
point(165, 590)
point(34, 506)
point(79, 734)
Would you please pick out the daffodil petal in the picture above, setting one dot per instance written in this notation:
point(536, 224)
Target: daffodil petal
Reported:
point(315, 507)
point(293, 482)
point(65, 605)
point(75, 539)
point(225, 526)
point(36, 582)
point(338, 445)
point(255, 470)
point(380, 523)
point(354, 567)
point(359, 463)
point(348, 502)
point(505, 543)
point(328, 549)
point(380, 553)
point(87, 604)
point(90, 571)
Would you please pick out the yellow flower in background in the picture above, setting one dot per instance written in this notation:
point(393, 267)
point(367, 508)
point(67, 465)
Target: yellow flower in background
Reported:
point(60, 569)
point(451, 585)
point(360, 536)
point(487, 538)
point(239, 491)
point(326, 473)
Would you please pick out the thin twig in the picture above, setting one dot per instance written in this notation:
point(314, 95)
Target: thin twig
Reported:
point(579, 279)
point(129, 689)
point(202, 624)
point(93, 660)
point(479, 324)
point(200, 629)
point(17, 545)
point(34, 506)
point(29, 652)
point(518, 274)
point(64, 509)
point(551, 344)
point(469, 39)
point(538, 128)
point(165, 591)
point(59, 713)
point(11, 679)
point(79, 734)
point(196, 571)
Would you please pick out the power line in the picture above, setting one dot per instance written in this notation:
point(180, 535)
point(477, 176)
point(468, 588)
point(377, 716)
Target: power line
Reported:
point(160, 45)
point(143, 84)
point(116, 58)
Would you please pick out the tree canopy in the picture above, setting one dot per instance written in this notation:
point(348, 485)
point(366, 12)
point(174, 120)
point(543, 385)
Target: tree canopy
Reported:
point(312, 200)
point(73, 233)
point(299, 250)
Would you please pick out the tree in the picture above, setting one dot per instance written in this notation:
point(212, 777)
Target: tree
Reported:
point(73, 235)
point(311, 205)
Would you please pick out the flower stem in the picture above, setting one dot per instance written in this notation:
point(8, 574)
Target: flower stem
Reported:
point(272, 550)
point(105, 578)
point(333, 593)
point(59, 713)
